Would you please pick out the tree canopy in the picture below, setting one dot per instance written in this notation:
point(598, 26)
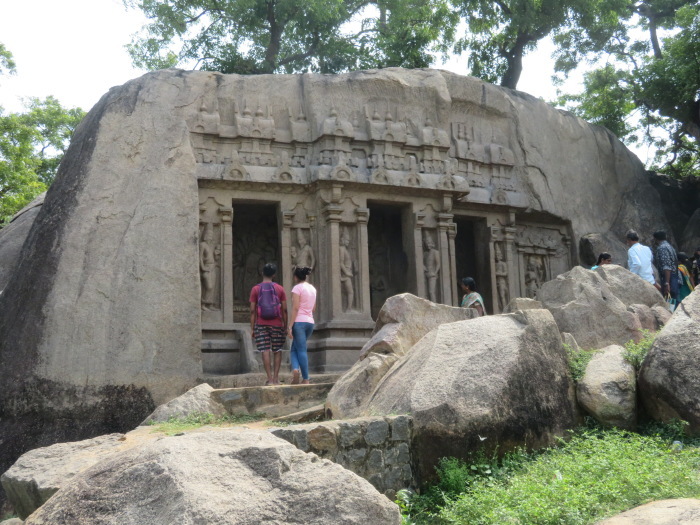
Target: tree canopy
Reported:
point(289, 36)
point(646, 87)
point(31, 147)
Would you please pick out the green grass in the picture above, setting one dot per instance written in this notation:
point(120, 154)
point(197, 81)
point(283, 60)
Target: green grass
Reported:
point(597, 473)
point(176, 425)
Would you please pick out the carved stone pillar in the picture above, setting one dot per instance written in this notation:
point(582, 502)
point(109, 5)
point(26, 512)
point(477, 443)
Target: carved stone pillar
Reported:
point(446, 261)
point(227, 263)
point(451, 234)
point(511, 255)
point(363, 302)
point(285, 246)
point(418, 254)
point(332, 214)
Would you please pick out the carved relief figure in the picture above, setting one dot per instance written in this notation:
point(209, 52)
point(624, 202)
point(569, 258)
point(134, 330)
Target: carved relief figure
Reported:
point(533, 275)
point(207, 268)
point(305, 257)
point(293, 254)
point(501, 278)
point(346, 272)
point(431, 265)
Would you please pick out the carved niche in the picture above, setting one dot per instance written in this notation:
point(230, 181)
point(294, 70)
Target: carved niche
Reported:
point(543, 253)
point(210, 241)
point(348, 267)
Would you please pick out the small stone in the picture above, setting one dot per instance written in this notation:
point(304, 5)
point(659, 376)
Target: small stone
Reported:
point(350, 434)
point(375, 461)
point(322, 438)
point(404, 453)
point(301, 440)
point(377, 481)
point(393, 478)
point(357, 455)
point(401, 428)
point(377, 432)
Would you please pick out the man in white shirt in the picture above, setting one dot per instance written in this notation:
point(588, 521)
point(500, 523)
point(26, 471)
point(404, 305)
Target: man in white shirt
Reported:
point(639, 258)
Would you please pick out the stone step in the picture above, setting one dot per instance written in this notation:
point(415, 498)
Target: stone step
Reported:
point(258, 379)
point(273, 401)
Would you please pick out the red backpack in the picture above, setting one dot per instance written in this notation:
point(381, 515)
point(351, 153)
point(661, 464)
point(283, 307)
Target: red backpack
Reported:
point(269, 306)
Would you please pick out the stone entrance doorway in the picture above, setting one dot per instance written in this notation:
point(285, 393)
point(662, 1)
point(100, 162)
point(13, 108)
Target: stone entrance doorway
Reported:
point(472, 256)
point(388, 262)
point(255, 243)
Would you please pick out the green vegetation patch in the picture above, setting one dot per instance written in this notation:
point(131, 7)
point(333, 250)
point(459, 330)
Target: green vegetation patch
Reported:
point(597, 473)
point(578, 361)
point(636, 352)
point(176, 425)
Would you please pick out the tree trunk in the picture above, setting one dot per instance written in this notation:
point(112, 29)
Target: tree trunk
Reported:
point(514, 58)
point(273, 48)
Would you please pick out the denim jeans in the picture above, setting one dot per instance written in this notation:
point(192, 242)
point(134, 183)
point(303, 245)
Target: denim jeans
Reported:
point(301, 333)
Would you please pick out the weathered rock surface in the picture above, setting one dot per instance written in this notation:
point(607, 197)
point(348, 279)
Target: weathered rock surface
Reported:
point(40, 473)
point(496, 381)
point(12, 521)
point(684, 511)
point(570, 340)
point(226, 477)
point(669, 380)
point(585, 304)
point(521, 303)
point(608, 389)
point(593, 244)
point(12, 238)
point(195, 400)
point(104, 322)
point(628, 290)
point(403, 320)
point(691, 235)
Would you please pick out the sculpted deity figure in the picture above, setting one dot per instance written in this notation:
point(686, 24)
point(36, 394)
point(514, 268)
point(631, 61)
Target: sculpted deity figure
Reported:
point(207, 268)
point(293, 254)
point(532, 276)
point(431, 265)
point(501, 278)
point(346, 272)
point(305, 257)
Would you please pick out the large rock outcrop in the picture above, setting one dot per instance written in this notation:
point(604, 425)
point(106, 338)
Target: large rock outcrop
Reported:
point(101, 319)
point(685, 511)
point(610, 305)
point(608, 389)
point(226, 476)
point(12, 238)
point(496, 381)
point(40, 473)
point(669, 380)
point(403, 320)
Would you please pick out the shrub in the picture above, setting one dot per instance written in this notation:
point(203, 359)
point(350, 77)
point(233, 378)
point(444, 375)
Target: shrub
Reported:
point(636, 352)
point(578, 361)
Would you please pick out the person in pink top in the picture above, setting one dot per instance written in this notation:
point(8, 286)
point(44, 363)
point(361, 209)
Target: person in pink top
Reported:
point(301, 324)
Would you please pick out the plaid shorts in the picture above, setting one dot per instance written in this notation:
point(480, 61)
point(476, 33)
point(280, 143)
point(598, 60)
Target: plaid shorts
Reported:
point(269, 337)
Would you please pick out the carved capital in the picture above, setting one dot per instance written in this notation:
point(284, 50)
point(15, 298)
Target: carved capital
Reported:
point(287, 218)
point(333, 213)
point(362, 215)
point(226, 214)
point(419, 220)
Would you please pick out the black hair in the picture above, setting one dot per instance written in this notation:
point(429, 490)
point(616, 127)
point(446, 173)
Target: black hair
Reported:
point(301, 273)
point(270, 269)
point(632, 235)
point(660, 235)
point(603, 256)
point(469, 283)
point(683, 257)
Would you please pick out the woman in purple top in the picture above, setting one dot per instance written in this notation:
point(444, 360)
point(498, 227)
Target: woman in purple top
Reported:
point(301, 324)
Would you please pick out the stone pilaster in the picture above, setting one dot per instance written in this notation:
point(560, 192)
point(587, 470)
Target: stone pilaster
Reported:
point(446, 257)
point(363, 302)
point(419, 274)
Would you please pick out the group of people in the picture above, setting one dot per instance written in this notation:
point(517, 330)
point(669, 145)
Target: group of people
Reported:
point(270, 324)
point(677, 273)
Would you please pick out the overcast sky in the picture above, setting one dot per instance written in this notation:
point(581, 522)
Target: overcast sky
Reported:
point(74, 50)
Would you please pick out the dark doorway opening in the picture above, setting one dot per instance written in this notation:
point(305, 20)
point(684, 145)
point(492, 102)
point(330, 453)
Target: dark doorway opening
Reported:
point(388, 263)
point(472, 256)
point(255, 243)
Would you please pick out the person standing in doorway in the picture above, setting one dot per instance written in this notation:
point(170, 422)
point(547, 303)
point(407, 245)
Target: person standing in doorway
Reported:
point(667, 264)
point(301, 324)
point(639, 258)
point(268, 322)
